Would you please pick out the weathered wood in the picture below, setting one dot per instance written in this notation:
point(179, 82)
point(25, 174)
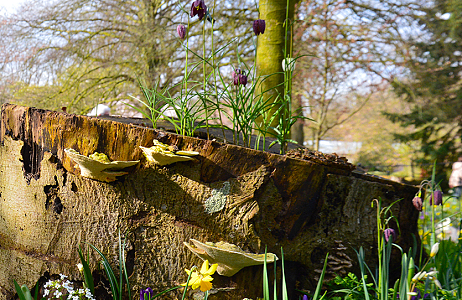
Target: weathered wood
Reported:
point(308, 207)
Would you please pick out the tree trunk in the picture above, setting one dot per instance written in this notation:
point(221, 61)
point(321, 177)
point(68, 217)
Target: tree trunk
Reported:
point(308, 204)
point(272, 46)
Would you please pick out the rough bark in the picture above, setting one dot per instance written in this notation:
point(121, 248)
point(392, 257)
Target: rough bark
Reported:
point(309, 207)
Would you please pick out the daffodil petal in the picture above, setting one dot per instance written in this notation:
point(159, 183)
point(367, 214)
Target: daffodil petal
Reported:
point(197, 283)
point(205, 267)
point(205, 285)
point(212, 270)
point(207, 278)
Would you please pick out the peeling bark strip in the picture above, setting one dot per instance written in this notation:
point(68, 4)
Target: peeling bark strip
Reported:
point(309, 207)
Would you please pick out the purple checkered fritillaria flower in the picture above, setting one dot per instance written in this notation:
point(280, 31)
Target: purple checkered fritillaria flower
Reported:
point(259, 26)
point(181, 30)
point(305, 297)
point(146, 294)
point(243, 79)
point(389, 232)
point(198, 8)
point(438, 196)
point(235, 76)
point(239, 77)
point(417, 202)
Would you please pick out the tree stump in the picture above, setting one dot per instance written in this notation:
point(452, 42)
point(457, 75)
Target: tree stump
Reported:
point(307, 206)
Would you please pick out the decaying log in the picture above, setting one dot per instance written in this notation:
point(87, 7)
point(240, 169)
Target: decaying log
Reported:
point(228, 193)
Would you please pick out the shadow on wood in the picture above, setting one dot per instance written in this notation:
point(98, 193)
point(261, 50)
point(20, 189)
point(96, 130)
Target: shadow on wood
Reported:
point(309, 207)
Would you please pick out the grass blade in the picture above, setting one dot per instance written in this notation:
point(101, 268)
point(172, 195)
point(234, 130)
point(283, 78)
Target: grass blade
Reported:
point(19, 291)
point(110, 274)
point(321, 279)
point(284, 286)
point(88, 277)
point(265, 280)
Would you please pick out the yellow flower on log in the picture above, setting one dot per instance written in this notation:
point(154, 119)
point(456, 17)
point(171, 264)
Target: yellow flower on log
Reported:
point(203, 277)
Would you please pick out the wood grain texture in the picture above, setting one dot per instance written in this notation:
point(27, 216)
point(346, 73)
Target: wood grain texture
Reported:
point(308, 207)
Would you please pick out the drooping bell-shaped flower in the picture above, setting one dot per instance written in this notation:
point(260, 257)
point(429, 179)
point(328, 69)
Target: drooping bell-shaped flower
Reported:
point(235, 76)
point(288, 64)
point(259, 26)
point(417, 202)
point(198, 8)
point(389, 232)
point(438, 196)
point(243, 79)
point(181, 30)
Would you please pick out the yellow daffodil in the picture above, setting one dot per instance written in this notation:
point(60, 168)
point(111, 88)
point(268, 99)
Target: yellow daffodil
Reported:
point(202, 278)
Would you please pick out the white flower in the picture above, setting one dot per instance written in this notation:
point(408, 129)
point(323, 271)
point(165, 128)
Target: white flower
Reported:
point(46, 292)
point(68, 285)
point(62, 276)
point(419, 276)
point(437, 283)
point(58, 294)
point(80, 267)
point(289, 64)
point(435, 249)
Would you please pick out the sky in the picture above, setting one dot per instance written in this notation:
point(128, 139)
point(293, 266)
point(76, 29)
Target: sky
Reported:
point(9, 5)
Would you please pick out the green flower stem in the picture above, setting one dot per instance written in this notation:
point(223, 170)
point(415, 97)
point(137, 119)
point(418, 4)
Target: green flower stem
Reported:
point(379, 244)
point(215, 81)
point(185, 81)
point(204, 71)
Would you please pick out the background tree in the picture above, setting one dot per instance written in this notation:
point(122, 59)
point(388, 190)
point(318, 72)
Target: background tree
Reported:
point(79, 53)
point(356, 48)
point(434, 89)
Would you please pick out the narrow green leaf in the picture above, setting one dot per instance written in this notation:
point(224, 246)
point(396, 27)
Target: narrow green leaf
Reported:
point(284, 286)
point(265, 280)
point(19, 291)
point(321, 279)
point(110, 274)
point(88, 277)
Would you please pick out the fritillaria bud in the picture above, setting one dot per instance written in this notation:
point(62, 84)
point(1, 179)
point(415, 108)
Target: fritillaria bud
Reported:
point(417, 202)
point(198, 8)
point(438, 196)
point(181, 29)
point(389, 232)
point(259, 26)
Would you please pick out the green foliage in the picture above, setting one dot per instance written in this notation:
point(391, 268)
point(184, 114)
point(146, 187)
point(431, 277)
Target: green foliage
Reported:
point(116, 284)
point(23, 291)
point(250, 108)
point(88, 277)
point(350, 286)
